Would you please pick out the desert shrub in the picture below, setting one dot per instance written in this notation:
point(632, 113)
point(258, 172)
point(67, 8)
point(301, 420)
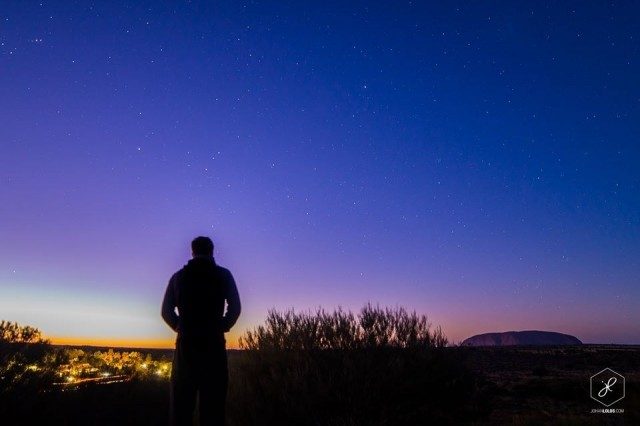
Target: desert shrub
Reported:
point(26, 358)
point(381, 367)
point(12, 332)
point(373, 327)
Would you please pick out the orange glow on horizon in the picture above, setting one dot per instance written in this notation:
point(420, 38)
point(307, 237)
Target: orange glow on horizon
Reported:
point(232, 342)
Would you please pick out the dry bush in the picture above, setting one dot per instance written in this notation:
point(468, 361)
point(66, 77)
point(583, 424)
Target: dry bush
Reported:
point(373, 327)
point(380, 367)
point(26, 358)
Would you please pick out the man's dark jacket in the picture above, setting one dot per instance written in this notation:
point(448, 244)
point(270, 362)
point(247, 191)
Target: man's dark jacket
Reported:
point(199, 291)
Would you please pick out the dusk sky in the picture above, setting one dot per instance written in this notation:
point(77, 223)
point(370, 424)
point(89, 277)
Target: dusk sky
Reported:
point(478, 162)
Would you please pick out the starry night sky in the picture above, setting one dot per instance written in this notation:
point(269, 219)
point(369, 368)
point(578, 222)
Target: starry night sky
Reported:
point(476, 162)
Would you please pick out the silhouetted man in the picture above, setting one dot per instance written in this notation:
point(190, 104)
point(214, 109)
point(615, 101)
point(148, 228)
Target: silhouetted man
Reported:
point(199, 291)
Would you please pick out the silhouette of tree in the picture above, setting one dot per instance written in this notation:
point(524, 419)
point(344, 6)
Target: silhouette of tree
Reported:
point(26, 357)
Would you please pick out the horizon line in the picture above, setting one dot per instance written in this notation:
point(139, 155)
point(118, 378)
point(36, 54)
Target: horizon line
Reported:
point(120, 343)
point(170, 343)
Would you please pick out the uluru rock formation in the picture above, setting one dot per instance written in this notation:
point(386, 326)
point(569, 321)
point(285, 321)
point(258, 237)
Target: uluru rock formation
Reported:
point(528, 337)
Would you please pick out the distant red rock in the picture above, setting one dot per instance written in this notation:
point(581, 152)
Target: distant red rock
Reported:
point(528, 337)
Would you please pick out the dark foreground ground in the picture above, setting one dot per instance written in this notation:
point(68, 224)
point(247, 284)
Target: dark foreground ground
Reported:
point(531, 386)
point(518, 385)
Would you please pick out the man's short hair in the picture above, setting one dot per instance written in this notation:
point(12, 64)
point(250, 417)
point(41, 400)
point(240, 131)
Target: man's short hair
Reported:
point(202, 246)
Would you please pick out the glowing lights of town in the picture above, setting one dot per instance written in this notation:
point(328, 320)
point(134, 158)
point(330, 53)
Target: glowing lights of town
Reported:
point(104, 367)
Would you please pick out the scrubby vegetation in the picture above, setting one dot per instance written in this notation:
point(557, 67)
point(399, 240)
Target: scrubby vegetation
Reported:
point(26, 358)
point(374, 327)
point(380, 367)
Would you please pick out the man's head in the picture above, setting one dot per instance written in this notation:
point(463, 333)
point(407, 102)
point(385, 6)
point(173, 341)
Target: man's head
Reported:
point(201, 247)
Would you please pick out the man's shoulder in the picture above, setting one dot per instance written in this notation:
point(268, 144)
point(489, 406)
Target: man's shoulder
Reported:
point(183, 273)
point(176, 275)
point(223, 271)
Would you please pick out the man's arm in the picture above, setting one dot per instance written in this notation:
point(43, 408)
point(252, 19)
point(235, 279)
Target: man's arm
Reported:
point(169, 307)
point(233, 304)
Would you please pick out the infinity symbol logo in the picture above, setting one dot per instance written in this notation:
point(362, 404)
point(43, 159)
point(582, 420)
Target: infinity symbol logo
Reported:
point(607, 387)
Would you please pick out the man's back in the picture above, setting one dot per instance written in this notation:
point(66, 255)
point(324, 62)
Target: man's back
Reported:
point(199, 291)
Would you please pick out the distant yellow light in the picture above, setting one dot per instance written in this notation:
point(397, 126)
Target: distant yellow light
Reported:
point(70, 379)
point(144, 365)
point(105, 374)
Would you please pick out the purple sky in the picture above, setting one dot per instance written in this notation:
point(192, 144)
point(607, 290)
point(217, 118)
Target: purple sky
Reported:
point(477, 163)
